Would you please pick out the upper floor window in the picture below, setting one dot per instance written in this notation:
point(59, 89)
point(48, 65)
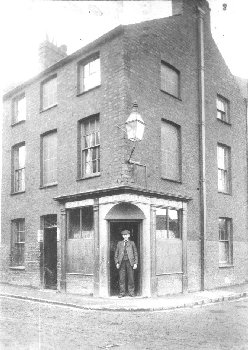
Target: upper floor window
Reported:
point(19, 109)
point(89, 74)
point(225, 241)
point(170, 151)
point(18, 166)
point(224, 169)
point(17, 242)
point(89, 146)
point(49, 159)
point(49, 93)
point(170, 80)
point(222, 105)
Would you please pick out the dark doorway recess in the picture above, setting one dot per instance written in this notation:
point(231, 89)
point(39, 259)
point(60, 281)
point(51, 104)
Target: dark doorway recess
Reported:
point(50, 252)
point(115, 235)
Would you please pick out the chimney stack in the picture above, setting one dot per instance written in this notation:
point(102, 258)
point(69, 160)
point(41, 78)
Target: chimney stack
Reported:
point(50, 53)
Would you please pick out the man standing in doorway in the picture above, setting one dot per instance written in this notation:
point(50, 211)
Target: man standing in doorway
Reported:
point(126, 261)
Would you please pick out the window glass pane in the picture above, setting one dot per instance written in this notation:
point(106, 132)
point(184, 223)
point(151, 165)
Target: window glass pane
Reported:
point(91, 76)
point(223, 252)
point(18, 240)
point(170, 156)
point(174, 229)
point(74, 223)
point(90, 146)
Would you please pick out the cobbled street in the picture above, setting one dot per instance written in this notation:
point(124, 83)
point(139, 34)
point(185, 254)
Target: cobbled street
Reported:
point(32, 325)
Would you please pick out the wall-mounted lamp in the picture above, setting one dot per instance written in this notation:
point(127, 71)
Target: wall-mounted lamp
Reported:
point(135, 125)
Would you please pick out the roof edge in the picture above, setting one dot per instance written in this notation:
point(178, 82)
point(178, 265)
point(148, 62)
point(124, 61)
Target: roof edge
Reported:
point(102, 39)
point(119, 190)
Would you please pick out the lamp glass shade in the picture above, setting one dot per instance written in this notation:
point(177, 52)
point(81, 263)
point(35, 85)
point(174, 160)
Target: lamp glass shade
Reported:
point(135, 127)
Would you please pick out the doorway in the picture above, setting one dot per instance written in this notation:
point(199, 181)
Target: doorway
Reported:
point(50, 252)
point(115, 228)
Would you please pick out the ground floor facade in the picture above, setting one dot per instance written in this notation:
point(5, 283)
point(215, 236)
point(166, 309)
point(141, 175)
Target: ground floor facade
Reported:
point(73, 248)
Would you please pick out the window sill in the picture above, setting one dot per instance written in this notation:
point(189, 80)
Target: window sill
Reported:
point(167, 93)
point(48, 186)
point(18, 123)
point(227, 193)
point(171, 180)
point(89, 176)
point(85, 92)
point(16, 193)
point(223, 122)
point(20, 268)
point(48, 108)
point(226, 266)
point(79, 273)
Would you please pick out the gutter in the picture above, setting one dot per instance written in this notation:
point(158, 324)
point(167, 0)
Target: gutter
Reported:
point(202, 140)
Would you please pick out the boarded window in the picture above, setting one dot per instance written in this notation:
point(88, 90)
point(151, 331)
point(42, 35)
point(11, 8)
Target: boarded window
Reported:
point(17, 242)
point(49, 159)
point(80, 243)
point(168, 241)
point(49, 93)
point(170, 80)
point(170, 151)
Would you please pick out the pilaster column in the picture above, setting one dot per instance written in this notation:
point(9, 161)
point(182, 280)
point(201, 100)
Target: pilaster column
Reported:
point(184, 242)
point(63, 249)
point(153, 250)
point(96, 247)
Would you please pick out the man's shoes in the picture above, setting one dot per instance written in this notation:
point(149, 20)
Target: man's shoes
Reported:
point(131, 295)
point(121, 295)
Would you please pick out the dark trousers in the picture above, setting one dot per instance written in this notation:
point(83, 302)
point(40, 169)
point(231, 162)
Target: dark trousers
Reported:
point(126, 269)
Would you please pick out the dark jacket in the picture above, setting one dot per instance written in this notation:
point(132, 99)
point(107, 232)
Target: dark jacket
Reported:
point(131, 252)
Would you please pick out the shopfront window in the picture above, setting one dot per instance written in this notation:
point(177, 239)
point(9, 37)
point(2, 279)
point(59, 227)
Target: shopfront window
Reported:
point(168, 241)
point(80, 242)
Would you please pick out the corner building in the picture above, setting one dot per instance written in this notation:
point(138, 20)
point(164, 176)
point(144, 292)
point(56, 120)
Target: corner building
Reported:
point(72, 180)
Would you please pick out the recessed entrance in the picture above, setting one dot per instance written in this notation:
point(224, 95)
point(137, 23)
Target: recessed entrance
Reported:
point(115, 228)
point(50, 252)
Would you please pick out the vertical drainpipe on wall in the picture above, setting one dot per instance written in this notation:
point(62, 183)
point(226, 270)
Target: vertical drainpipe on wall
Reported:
point(201, 67)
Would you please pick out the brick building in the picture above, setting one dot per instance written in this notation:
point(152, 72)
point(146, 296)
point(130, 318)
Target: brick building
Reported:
point(72, 180)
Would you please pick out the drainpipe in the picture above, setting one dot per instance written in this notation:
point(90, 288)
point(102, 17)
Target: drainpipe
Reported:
point(202, 136)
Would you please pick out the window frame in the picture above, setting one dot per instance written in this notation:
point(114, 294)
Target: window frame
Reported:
point(228, 223)
point(82, 150)
point(226, 170)
point(81, 73)
point(42, 85)
point(15, 234)
point(179, 138)
point(179, 217)
point(178, 74)
point(225, 115)
point(15, 114)
point(42, 172)
point(19, 170)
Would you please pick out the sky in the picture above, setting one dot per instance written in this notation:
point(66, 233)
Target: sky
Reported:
point(25, 24)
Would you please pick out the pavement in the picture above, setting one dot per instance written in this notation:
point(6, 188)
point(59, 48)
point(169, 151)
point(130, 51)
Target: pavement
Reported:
point(170, 302)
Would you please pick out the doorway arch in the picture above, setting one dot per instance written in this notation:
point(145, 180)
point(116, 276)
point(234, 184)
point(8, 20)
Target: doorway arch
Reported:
point(124, 216)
